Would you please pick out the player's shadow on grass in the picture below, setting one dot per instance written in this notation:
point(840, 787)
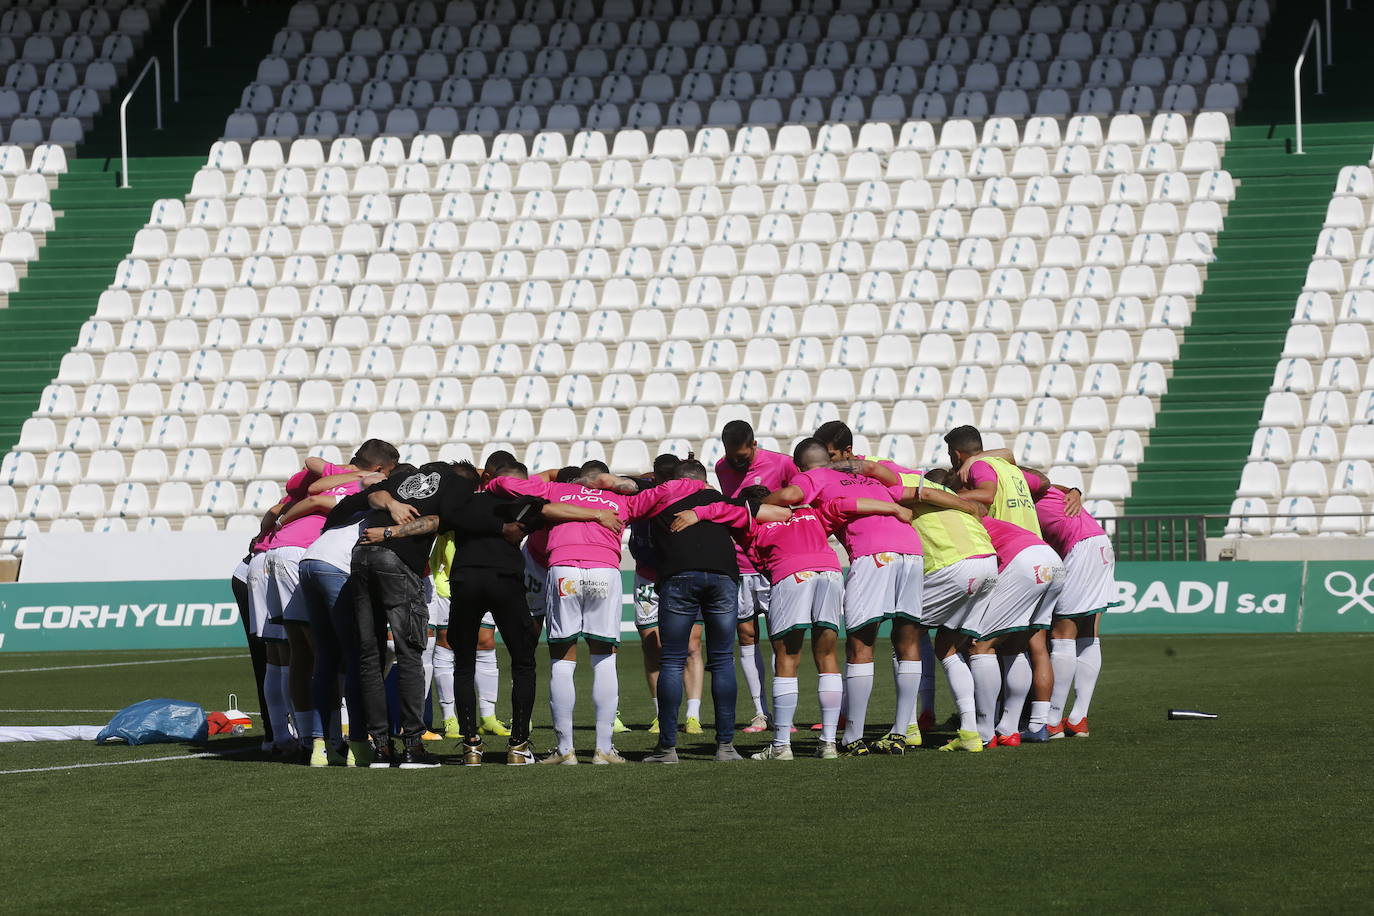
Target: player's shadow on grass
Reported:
point(238, 749)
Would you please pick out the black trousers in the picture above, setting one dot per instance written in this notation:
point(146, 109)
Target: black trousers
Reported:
point(386, 592)
point(473, 592)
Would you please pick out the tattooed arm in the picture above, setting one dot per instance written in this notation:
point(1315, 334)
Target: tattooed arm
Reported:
point(425, 524)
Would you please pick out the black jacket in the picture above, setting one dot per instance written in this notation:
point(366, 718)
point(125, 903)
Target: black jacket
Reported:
point(704, 547)
point(477, 525)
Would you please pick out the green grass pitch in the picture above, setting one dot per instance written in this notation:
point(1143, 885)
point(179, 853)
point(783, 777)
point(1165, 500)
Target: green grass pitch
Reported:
point(1267, 807)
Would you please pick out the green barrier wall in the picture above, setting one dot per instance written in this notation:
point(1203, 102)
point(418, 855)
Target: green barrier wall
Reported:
point(62, 616)
point(1154, 598)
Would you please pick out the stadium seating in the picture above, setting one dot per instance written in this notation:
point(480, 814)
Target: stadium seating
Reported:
point(400, 69)
point(25, 214)
point(605, 301)
point(709, 211)
point(62, 61)
point(1313, 449)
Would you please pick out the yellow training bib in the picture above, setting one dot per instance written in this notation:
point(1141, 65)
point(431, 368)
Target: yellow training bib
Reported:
point(947, 535)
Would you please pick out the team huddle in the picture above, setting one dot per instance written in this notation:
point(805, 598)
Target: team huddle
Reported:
point(375, 588)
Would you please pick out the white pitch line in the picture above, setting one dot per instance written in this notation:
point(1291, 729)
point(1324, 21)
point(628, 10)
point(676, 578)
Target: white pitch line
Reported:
point(155, 661)
point(59, 710)
point(120, 763)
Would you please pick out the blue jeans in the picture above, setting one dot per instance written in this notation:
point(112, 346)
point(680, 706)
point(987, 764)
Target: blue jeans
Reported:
point(329, 603)
point(681, 600)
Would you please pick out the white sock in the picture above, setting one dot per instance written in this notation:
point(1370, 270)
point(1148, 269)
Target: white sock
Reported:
point(694, 708)
point(1085, 675)
point(1063, 660)
point(858, 685)
point(784, 709)
point(488, 680)
point(276, 703)
point(562, 698)
point(831, 695)
point(605, 697)
point(751, 660)
point(908, 686)
point(961, 686)
point(987, 684)
point(927, 674)
point(1039, 715)
point(443, 682)
point(1016, 676)
point(427, 660)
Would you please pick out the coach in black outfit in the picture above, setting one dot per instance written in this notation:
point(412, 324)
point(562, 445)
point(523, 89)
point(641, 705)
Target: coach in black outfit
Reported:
point(388, 582)
point(488, 574)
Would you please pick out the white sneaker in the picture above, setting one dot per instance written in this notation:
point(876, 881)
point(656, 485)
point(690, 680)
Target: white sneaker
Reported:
point(601, 758)
point(757, 724)
point(774, 752)
point(556, 759)
point(826, 750)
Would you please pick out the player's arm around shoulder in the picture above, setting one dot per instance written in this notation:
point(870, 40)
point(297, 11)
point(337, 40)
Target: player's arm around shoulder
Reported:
point(319, 504)
point(425, 524)
point(557, 513)
point(866, 505)
point(920, 497)
point(982, 491)
point(790, 495)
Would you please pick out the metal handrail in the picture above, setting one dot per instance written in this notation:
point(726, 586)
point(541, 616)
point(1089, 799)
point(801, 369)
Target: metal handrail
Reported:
point(1184, 536)
point(1330, 46)
point(176, 46)
point(1313, 30)
point(1159, 537)
point(1219, 515)
point(123, 114)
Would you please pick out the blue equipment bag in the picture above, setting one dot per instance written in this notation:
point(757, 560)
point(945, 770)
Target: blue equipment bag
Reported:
point(156, 722)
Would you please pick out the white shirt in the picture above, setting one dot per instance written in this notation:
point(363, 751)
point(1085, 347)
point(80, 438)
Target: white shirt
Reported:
point(335, 545)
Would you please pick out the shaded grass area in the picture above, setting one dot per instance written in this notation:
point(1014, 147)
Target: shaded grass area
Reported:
point(1265, 807)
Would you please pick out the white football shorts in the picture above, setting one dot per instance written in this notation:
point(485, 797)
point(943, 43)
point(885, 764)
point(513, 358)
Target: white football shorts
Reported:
point(584, 603)
point(882, 585)
point(754, 592)
point(806, 599)
point(536, 580)
point(438, 606)
point(646, 603)
point(958, 593)
point(1089, 578)
point(1024, 597)
point(284, 578)
point(259, 585)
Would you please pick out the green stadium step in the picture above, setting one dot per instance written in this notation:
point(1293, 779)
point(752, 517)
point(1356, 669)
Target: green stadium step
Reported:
point(1207, 419)
point(93, 233)
point(97, 219)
